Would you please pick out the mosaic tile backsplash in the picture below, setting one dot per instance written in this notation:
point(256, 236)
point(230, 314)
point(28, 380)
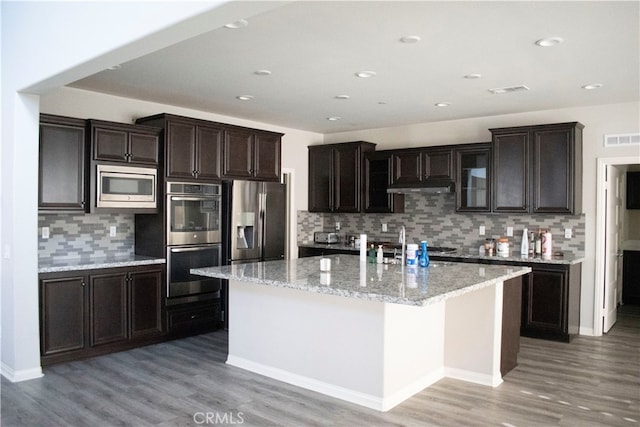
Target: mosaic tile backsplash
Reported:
point(433, 218)
point(79, 235)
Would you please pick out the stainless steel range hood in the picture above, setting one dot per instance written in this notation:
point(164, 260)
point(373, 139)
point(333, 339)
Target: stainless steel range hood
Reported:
point(425, 188)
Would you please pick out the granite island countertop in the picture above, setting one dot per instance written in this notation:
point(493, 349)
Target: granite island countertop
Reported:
point(567, 258)
point(348, 277)
point(92, 263)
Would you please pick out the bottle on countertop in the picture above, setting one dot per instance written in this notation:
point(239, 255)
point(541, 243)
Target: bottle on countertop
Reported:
point(372, 254)
point(546, 244)
point(379, 255)
point(539, 243)
point(532, 244)
point(524, 246)
point(424, 254)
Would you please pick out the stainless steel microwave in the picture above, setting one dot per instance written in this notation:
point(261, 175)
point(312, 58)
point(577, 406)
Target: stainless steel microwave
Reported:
point(126, 187)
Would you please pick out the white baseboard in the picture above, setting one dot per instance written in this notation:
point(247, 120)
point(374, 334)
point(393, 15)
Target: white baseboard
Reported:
point(586, 331)
point(377, 403)
point(21, 375)
point(473, 377)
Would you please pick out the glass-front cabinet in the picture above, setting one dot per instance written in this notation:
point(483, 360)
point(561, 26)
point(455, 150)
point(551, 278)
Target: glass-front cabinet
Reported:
point(473, 178)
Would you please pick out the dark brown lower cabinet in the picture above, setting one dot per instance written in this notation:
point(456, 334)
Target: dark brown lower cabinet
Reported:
point(92, 312)
point(511, 312)
point(194, 318)
point(551, 302)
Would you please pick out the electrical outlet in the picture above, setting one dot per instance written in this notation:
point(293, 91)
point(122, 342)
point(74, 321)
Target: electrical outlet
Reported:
point(112, 231)
point(45, 232)
point(568, 233)
point(337, 226)
point(481, 230)
point(384, 227)
point(509, 231)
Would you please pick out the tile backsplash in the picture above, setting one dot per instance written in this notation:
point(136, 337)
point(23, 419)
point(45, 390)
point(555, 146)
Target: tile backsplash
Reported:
point(433, 218)
point(81, 235)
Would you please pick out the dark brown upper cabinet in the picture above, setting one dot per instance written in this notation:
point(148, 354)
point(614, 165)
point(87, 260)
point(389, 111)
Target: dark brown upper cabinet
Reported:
point(192, 147)
point(251, 154)
point(377, 176)
point(124, 143)
point(633, 190)
point(414, 166)
point(336, 176)
point(538, 169)
point(62, 181)
point(473, 178)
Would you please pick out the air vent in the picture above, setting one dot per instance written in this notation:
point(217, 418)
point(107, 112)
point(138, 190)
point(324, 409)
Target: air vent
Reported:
point(508, 89)
point(622, 139)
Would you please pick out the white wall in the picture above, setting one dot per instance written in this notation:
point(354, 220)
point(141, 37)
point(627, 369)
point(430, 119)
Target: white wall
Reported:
point(46, 45)
point(598, 120)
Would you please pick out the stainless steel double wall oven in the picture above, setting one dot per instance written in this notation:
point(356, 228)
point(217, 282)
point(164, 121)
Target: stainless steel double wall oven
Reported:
point(194, 239)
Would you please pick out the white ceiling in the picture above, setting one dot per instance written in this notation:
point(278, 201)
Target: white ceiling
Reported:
point(313, 50)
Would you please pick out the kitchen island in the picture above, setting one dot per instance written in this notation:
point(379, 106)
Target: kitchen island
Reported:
point(371, 334)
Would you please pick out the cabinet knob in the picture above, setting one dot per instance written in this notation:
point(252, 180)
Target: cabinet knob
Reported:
point(83, 284)
point(194, 316)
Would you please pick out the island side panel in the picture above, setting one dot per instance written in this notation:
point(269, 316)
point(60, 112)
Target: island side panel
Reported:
point(413, 350)
point(473, 334)
point(325, 343)
point(370, 353)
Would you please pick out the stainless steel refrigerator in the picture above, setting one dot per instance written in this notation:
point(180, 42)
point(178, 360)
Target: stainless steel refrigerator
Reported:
point(258, 218)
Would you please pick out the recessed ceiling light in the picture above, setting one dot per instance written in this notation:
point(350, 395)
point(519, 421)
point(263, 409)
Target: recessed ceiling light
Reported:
point(592, 86)
point(115, 67)
point(244, 97)
point(240, 23)
point(473, 76)
point(342, 97)
point(262, 72)
point(442, 104)
point(365, 74)
point(410, 39)
point(549, 41)
point(334, 118)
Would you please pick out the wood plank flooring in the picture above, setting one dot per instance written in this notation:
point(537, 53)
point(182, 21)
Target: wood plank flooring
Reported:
point(589, 382)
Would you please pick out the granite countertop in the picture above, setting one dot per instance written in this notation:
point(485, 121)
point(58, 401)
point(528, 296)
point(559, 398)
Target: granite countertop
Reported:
point(467, 254)
point(87, 263)
point(348, 277)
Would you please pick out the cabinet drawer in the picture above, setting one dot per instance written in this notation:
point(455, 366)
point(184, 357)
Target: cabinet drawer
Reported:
point(194, 319)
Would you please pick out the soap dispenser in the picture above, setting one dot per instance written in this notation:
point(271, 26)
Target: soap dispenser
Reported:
point(424, 255)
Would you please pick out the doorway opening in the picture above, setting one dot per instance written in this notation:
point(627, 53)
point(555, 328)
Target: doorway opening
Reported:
point(614, 232)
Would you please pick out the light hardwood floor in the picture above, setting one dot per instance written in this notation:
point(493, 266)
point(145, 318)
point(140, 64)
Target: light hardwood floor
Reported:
point(589, 382)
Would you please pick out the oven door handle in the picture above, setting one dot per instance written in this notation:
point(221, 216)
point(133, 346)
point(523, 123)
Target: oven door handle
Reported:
point(197, 248)
point(191, 199)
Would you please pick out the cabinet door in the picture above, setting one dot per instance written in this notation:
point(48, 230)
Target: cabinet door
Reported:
point(377, 176)
point(237, 154)
point(553, 171)
point(208, 152)
point(407, 167)
point(473, 180)
point(511, 172)
point(62, 314)
point(266, 157)
point(320, 179)
point(631, 277)
point(438, 164)
point(146, 299)
point(346, 175)
point(143, 148)
point(62, 165)
point(180, 151)
point(108, 308)
point(544, 302)
point(110, 145)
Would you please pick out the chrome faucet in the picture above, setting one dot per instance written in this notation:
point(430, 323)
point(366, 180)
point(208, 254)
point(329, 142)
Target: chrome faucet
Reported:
point(402, 239)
